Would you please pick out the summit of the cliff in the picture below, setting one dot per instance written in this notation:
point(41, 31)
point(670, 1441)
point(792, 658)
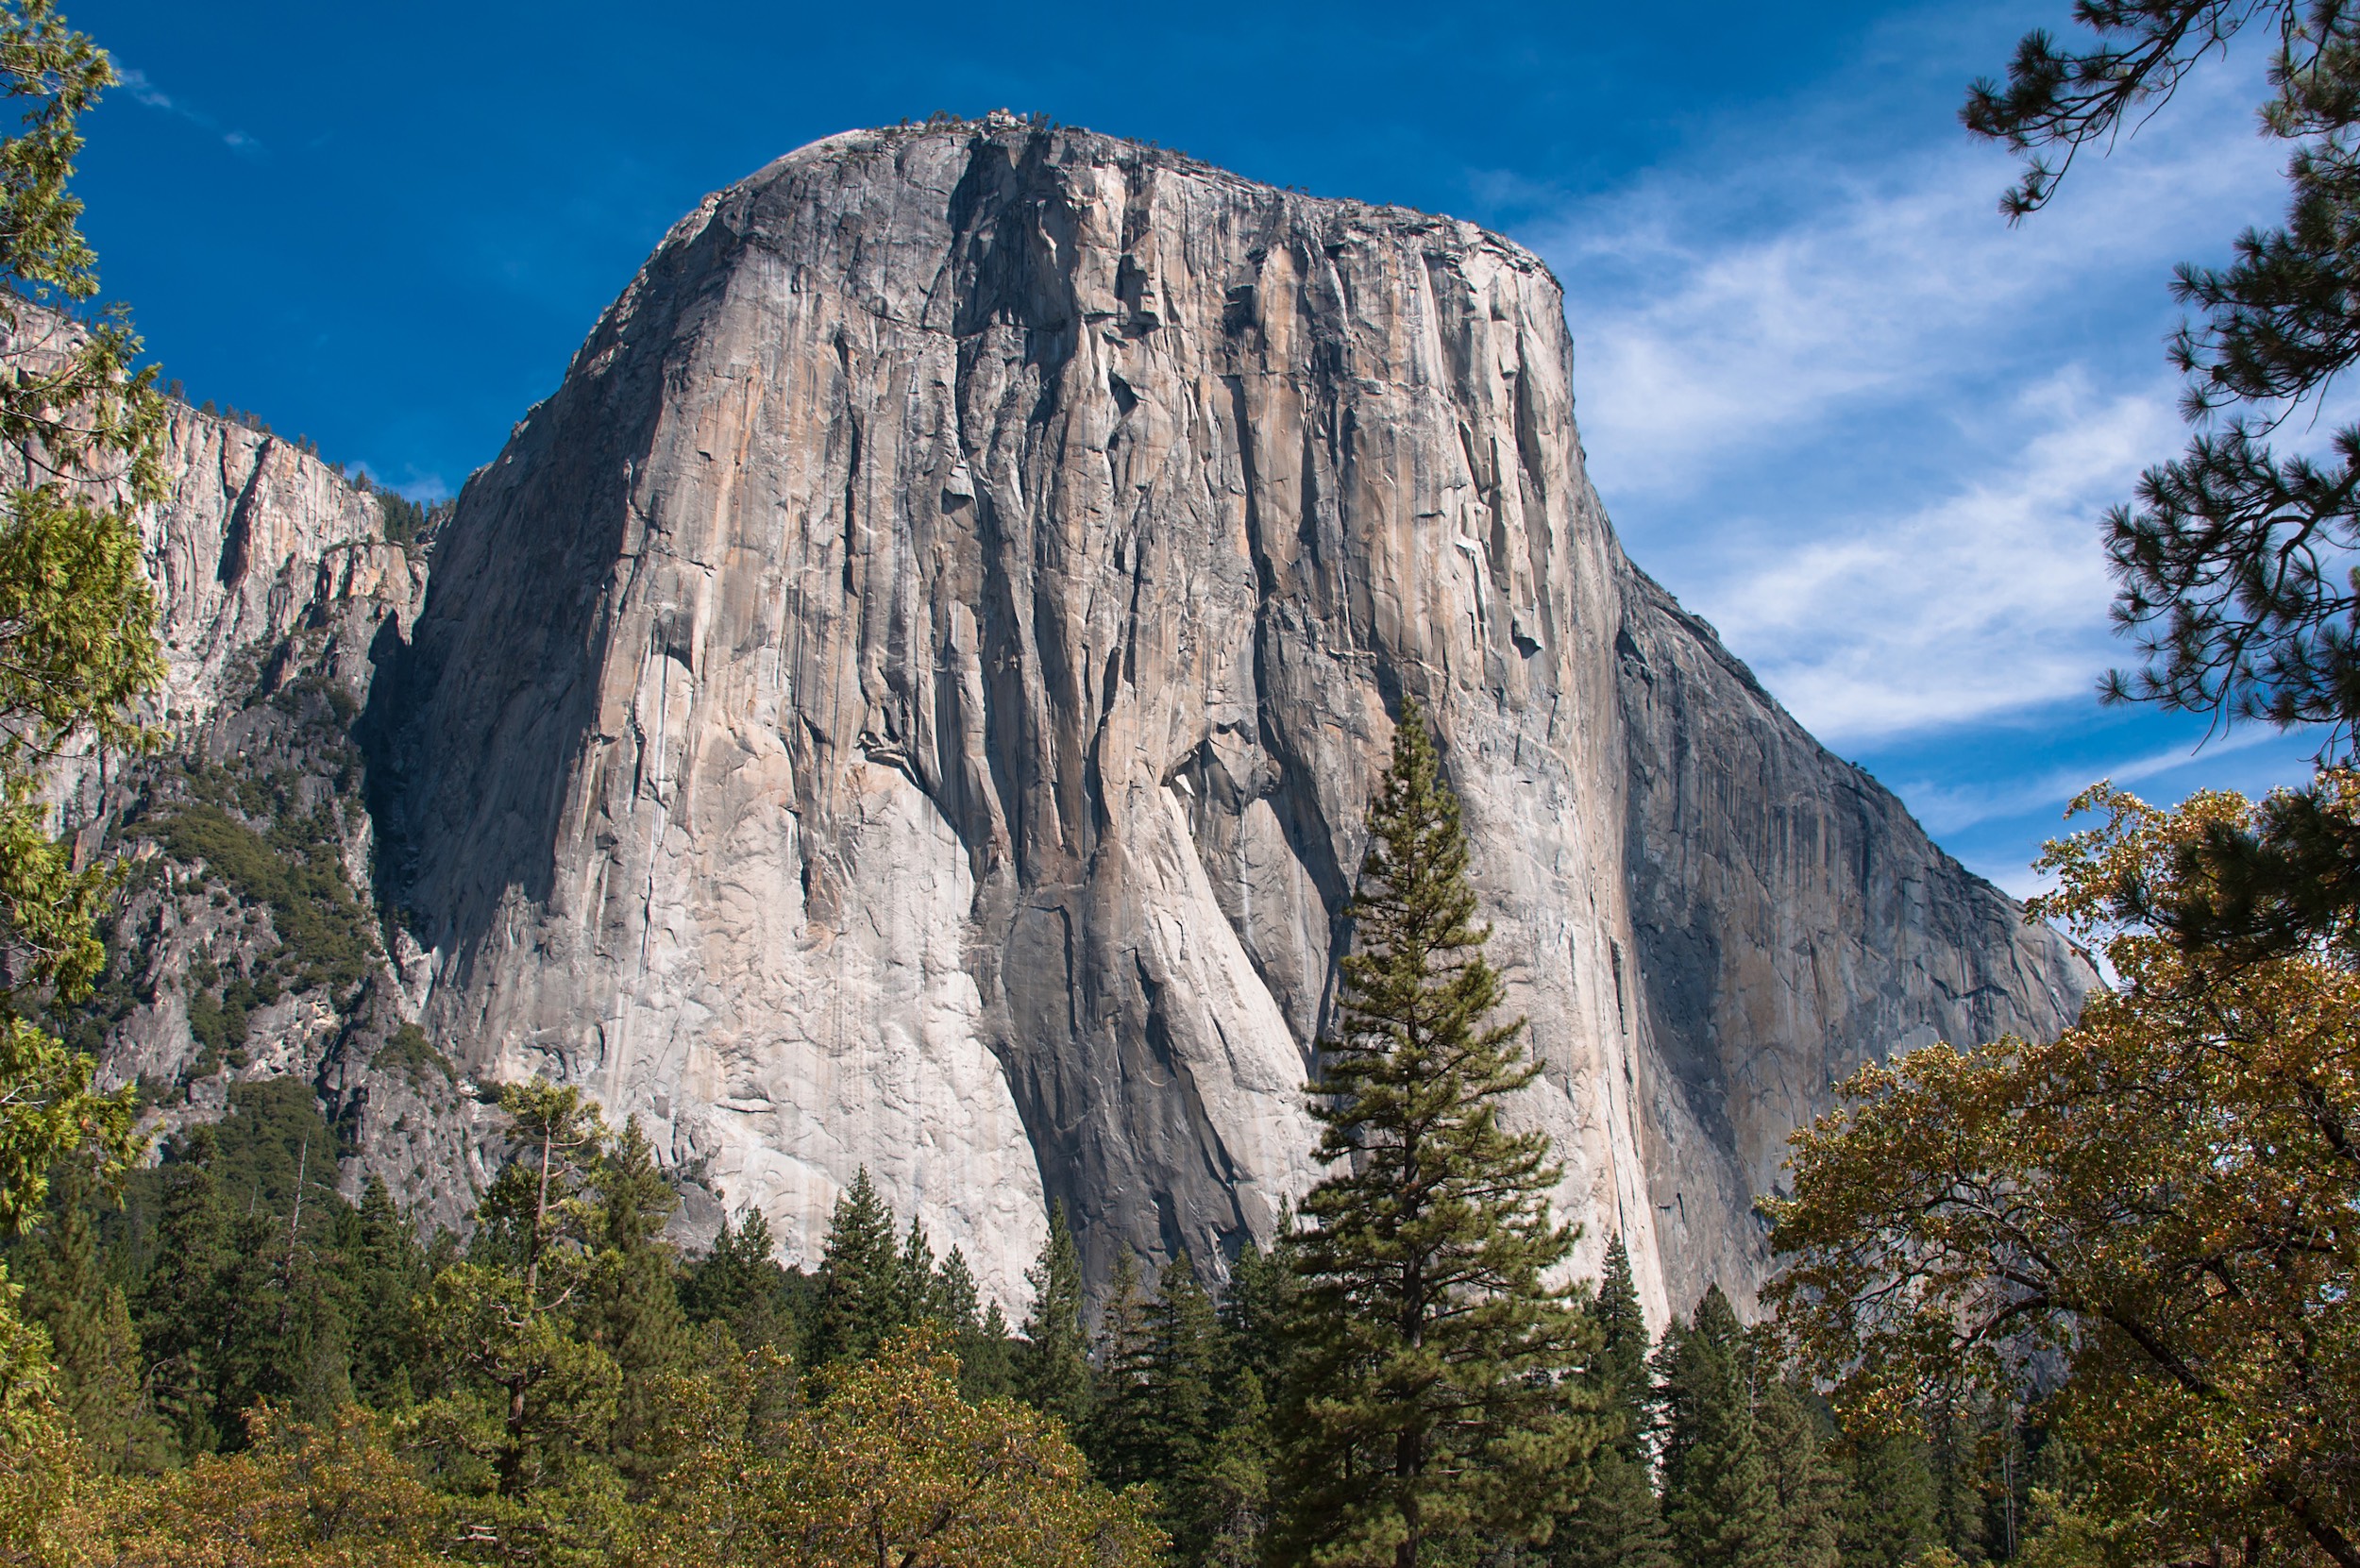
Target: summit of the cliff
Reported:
point(1050, 145)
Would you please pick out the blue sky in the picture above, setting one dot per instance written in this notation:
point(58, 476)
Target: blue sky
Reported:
point(1831, 400)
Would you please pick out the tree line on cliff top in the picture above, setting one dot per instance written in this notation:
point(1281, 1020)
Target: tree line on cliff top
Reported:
point(2086, 1300)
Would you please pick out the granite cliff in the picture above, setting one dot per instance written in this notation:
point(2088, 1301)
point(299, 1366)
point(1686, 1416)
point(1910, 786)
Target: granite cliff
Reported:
point(908, 699)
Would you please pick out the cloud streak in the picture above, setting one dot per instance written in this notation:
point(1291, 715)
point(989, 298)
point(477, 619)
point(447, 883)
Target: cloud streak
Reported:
point(1949, 807)
point(144, 92)
point(1868, 429)
point(1718, 326)
point(1976, 602)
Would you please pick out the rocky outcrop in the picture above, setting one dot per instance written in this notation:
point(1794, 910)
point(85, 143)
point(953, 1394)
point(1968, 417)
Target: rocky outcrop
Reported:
point(249, 943)
point(256, 542)
point(909, 697)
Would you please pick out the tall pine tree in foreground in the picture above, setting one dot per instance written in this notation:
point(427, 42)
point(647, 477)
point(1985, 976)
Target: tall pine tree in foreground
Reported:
point(1431, 1401)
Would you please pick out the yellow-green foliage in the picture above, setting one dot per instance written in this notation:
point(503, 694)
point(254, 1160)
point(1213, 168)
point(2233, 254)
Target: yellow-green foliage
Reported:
point(892, 1465)
point(337, 1495)
point(2165, 1201)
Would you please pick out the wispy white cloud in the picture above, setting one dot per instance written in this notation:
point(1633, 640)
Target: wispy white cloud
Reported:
point(1867, 429)
point(1949, 806)
point(142, 90)
point(145, 92)
point(1968, 604)
point(1723, 320)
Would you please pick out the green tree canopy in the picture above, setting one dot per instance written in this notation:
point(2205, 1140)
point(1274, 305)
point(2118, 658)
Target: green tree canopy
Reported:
point(862, 1297)
point(1619, 1524)
point(81, 427)
point(2234, 560)
point(498, 1320)
point(742, 1284)
point(1720, 1494)
point(1053, 1370)
point(2235, 563)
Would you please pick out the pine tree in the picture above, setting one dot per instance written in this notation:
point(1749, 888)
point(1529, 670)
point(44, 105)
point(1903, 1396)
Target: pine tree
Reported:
point(176, 1302)
point(389, 1272)
point(1053, 1370)
point(1117, 1435)
point(988, 1361)
point(628, 1306)
point(1254, 1306)
point(861, 1298)
point(1622, 1350)
point(1233, 1505)
point(1888, 1518)
point(1183, 1409)
point(494, 1318)
point(1428, 1401)
point(916, 1292)
point(1812, 1499)
point(951, 1296)
point(1619, 1524)
point(978, 1339)
point(1966, 1518)
point(1720, 1500)
point(91, 1336)
point(740, 1282)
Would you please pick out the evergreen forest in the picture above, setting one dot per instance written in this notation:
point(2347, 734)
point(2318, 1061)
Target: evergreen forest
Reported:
point(224, 1317)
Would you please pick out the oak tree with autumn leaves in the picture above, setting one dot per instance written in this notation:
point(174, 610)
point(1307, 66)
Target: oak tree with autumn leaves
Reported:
point(2157, 1214)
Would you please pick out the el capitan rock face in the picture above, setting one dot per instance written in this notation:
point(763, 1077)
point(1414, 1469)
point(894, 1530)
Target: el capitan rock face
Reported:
point(909, 698)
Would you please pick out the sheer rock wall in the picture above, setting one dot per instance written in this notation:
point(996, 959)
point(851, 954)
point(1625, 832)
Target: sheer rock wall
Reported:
point(908, 699)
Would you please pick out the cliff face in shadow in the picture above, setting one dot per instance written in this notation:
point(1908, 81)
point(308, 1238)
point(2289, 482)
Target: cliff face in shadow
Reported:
point(909, 698)
point(1790, 922)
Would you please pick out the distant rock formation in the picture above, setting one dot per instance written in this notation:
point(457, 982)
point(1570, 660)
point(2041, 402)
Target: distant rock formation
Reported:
point(908, 701)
